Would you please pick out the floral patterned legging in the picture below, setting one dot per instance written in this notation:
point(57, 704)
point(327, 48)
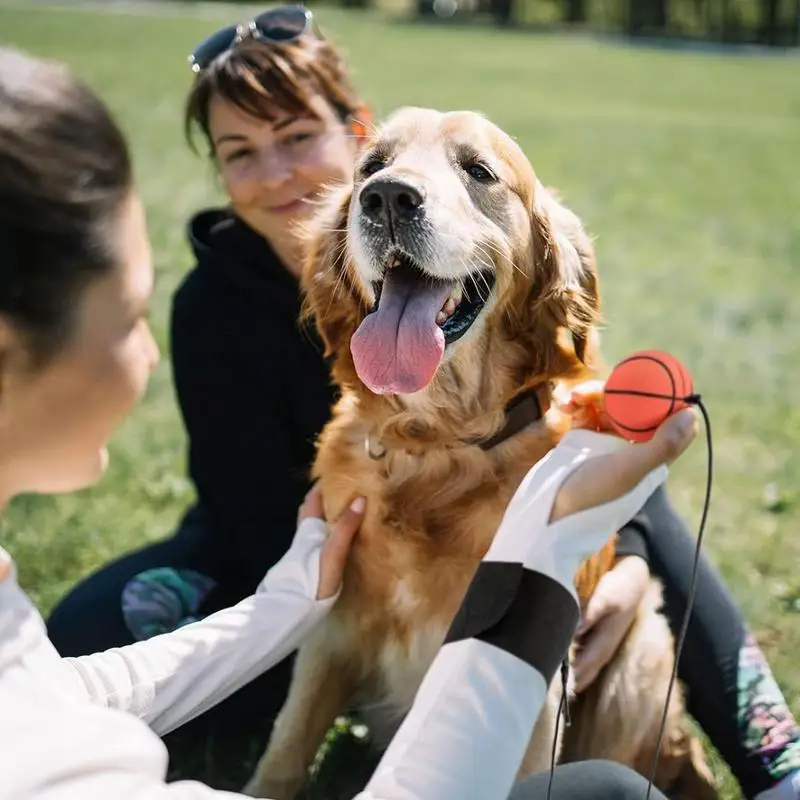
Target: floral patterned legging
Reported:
point(731, 690)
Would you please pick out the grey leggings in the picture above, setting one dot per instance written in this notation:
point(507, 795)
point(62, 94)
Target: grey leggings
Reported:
point(586, 780)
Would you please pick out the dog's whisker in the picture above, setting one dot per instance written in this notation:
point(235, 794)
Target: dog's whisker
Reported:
point(337, 264)
point(496, 250)
point(482, 275)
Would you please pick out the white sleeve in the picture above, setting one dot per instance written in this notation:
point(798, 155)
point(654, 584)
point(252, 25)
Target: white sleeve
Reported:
point(466, 732)
point(172, 678)
point(55, 744)
point(69, 727)
point(474, 713)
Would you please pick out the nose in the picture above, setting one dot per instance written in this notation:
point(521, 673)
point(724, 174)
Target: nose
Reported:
point(274, 170)
point(386, 199)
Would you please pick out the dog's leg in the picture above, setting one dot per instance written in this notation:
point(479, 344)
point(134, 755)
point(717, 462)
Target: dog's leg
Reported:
point(322, 685)
point(619, 716)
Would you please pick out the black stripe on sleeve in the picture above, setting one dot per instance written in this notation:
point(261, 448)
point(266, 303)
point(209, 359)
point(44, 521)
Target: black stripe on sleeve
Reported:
point(525, 613)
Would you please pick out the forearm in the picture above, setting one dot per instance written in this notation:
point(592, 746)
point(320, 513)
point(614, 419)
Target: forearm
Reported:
point(174, 677)
point(473, 716)
point(476, 707)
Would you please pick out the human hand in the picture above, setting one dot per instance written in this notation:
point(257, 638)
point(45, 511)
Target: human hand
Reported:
point(333, 555)
point(584, 404)
point(608, 617)
point(607, 477)
point(597, 473)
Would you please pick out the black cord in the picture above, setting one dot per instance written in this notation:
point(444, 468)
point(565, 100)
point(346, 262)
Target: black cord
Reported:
point(695, 400)
point(563, 708)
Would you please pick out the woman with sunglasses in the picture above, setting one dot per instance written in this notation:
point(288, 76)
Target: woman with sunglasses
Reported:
point(277, 108)
point(75, 283)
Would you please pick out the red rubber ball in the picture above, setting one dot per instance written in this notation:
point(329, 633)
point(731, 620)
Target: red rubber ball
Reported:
point(634, 416)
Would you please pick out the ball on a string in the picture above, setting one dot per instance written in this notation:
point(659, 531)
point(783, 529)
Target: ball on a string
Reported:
point(644, 390)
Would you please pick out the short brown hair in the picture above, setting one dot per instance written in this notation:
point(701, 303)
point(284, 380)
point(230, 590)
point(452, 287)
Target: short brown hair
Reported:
point(65, 175)
point(263, 79)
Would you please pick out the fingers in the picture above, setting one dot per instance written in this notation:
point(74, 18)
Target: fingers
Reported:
point(591, 657)
point(673, 437)
point(312, 505)
point(600, 640)
point(337, 547)
point(619, 591)
point(669, 441)
point(584, 405)
point(579, 395)
point(596, 609)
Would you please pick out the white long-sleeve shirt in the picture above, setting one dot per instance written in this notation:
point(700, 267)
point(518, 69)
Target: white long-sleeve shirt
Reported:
point(87, 728)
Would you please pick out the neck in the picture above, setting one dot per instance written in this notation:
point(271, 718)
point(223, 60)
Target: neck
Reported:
point(289, 252)
point(9, 487)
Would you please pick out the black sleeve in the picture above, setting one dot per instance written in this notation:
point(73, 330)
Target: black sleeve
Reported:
point(632, 539)
point(231, 380)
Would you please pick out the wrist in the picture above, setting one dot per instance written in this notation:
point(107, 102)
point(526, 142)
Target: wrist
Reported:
point(596, 442)
point(635, 569)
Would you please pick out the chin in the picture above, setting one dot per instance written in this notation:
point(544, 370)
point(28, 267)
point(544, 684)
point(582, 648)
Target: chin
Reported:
point(83, 475)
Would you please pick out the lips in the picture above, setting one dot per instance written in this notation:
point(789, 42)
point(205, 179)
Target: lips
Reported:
point(290, 206)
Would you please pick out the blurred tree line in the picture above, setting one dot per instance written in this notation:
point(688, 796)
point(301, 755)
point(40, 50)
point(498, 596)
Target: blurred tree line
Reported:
point(773, 23)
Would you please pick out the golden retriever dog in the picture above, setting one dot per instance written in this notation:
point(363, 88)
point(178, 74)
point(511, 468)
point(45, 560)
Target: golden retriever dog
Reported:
point(456, 297)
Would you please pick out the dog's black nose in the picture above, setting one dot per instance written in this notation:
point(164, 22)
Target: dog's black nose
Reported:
point(386, 199)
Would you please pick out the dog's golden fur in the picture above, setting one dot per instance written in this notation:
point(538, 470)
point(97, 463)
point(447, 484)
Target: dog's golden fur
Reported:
point(433, 499)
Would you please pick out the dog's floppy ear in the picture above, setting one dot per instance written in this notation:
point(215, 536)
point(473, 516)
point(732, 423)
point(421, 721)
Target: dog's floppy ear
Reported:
point(329, 295)
point(565, 274)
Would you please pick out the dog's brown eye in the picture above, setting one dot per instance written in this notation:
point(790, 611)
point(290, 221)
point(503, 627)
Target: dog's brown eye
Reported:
point(372, 166)
point(480, 173)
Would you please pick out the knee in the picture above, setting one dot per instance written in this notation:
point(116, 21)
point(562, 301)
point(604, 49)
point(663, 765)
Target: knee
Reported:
point(617, 781)
point(88, 619)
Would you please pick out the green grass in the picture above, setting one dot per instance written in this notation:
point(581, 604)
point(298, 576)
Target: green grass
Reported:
point(684, 165)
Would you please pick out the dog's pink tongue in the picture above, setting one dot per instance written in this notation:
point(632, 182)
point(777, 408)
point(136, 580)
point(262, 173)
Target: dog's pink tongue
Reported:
point(398, 347)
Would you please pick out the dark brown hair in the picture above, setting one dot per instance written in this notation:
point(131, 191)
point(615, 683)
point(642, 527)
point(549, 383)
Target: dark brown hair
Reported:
point(65, 175)
point(265, 79)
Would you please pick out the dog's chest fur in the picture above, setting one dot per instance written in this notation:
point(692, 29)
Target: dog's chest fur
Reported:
point(430, 519)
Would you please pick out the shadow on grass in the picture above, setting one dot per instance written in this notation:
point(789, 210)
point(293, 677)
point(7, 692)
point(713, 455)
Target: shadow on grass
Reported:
point(343, 766)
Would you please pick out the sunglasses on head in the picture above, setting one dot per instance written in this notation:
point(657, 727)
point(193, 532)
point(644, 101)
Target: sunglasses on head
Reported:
point(276, 26)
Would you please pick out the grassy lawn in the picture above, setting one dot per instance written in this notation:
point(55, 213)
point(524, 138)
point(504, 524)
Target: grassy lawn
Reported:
point(684, 165)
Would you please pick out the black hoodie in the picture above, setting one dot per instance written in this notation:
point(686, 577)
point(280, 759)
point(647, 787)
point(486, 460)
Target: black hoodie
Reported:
point(254, 391)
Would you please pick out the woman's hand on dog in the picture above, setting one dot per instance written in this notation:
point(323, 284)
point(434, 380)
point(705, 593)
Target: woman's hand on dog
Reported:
point(341, 531)
point(608, 617)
